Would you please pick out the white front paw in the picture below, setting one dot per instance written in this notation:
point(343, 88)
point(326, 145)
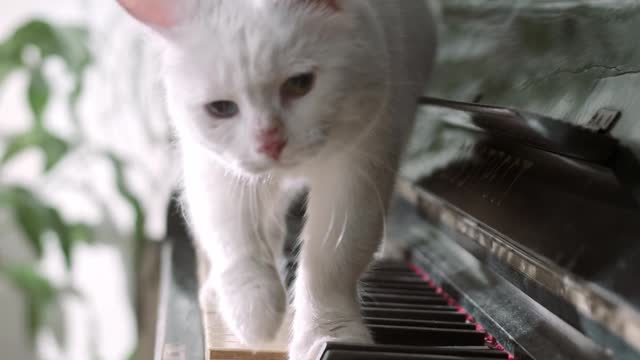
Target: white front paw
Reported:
point(252, 301)
point(310, 338)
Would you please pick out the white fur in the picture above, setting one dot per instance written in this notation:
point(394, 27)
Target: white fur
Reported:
point(371, 59)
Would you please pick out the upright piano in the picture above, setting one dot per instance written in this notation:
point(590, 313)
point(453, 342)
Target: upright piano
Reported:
point(517, 210)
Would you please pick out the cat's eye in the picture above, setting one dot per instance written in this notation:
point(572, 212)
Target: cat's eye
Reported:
point(298, 86)
point(222, 109)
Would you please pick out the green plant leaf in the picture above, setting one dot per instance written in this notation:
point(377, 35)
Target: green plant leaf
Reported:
point(53, 147)
point(72, 102)
point(68, 234)
point(35, 218)
point(33, 222)
point(68, 42)
point(29, 213)
point(7, 66)
point(38, 292)
point(10, 56)
point(139, 234)
point(63, 233)
point(36, 33)
point(81, 233)
point(73, 41)
point(134, 354)
point(54, 150)
point(38, 95)
point(8, 62)
point(12, 195)
point(19, 143)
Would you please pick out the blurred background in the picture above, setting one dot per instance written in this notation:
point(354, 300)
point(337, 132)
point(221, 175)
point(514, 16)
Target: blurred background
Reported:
point(85, 177)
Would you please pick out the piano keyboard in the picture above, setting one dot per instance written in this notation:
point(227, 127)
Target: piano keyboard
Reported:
point(409, 318)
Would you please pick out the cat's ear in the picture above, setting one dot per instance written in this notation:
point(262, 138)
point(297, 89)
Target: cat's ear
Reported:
point(159, 14)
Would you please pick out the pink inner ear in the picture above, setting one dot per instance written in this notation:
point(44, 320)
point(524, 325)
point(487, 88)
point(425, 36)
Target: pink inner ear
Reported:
point(160, 13)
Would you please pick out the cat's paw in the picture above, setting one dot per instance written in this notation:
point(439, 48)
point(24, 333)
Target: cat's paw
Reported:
point(252, 301)
point(308, 343)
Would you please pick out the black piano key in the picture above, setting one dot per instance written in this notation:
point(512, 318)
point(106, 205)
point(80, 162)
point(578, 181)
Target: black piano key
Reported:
point(398, 272)
point(367, 355)
point(413, 314)
point(391, 275)
point(471, 352)
point(402, 279)
point(402, 297)
point(426, 293)
point(420, 323)
point(393, 285)
point(411, 285)
point(389, 266)
point(419, 287)
point(408, 335)
point(414, 321)
point(388, 305)
point(390, 269)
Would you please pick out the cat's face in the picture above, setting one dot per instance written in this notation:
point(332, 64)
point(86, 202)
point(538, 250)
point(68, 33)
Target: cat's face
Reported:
point(259, 89)
point(259, 82)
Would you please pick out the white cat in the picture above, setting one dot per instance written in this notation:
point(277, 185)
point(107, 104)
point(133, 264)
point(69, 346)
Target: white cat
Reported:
point(265, 92)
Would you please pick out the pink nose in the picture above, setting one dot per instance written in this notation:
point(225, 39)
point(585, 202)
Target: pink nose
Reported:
point(272, 142)
point(273, 150)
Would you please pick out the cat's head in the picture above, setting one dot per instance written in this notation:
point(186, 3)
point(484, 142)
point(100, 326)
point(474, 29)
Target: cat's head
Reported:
point(261, 84)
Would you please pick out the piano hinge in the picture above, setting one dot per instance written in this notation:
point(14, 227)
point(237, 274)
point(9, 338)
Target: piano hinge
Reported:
point(604, 120)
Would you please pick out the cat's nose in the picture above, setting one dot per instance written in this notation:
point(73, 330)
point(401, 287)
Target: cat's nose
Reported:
point(273, 149)
point(270, 134)
point(271, 141)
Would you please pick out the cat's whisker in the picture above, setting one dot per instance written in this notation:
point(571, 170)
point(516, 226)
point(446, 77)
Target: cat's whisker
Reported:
point(262, 237)
point(330, 227)
point(253, 206)
point(254, 211)
point(368, 130)
point(343, 231)
point(381, 202)
point(273, 216)
point(278, 217)
point(374, 161)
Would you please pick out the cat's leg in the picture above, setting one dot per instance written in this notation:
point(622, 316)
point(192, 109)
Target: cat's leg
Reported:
point(243, 280)
point(274, 221)
point(346, 210)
